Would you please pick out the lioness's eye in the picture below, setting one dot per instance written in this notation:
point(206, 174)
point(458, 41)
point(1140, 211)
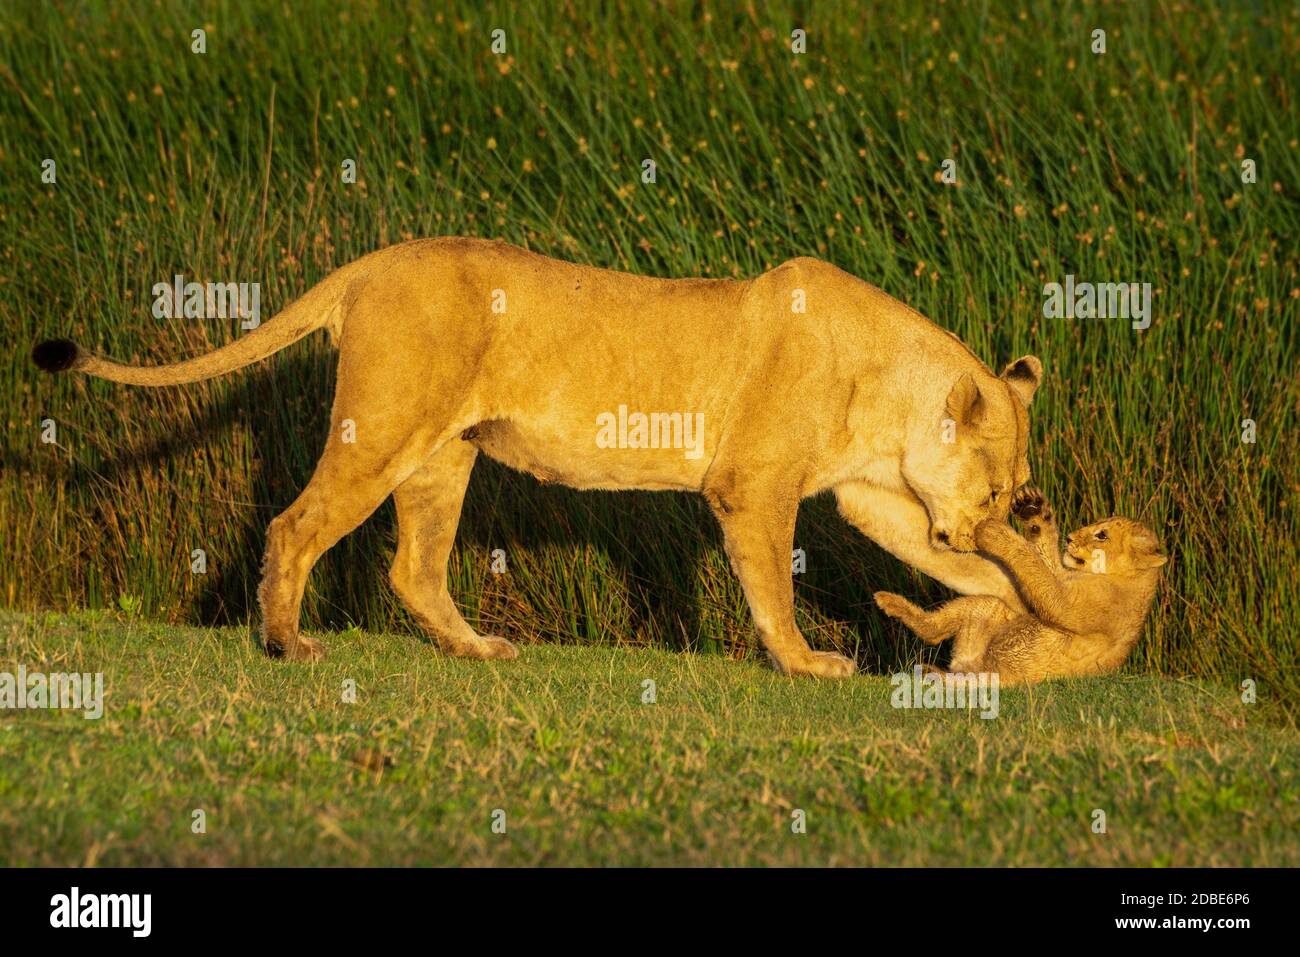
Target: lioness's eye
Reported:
point(1101, 536)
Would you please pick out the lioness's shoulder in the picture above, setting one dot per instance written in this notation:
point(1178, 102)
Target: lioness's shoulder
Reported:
point(801, 266)
point(473, 246)
point(806, 269)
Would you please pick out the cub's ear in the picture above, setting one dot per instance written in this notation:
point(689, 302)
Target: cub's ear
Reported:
point(1147, 550)
point(1150, 560)
point(965, 405)
point(1024, 376)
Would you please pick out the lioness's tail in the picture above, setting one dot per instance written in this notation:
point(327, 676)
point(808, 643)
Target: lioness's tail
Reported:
point(317, 308)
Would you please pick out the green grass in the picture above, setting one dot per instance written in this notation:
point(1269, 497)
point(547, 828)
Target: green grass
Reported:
point(586, 773)
point(225, 166)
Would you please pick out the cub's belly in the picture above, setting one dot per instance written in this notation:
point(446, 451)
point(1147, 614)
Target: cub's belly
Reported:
point(609, 455)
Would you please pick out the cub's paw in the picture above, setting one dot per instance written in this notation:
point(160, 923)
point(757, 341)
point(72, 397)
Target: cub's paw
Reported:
point(300, 648)
point(895, 606)
point(1031, 510)
point(1029, 503)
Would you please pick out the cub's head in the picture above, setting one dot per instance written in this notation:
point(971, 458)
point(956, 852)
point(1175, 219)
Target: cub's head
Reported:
point(1116, 546)
point(966, 463)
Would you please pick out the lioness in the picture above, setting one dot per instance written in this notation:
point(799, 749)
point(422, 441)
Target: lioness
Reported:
point(1087, 605)
point(800, 380)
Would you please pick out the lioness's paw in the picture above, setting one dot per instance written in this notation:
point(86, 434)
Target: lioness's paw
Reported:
point(826, 664)
point(300, 648)
point(486, 648)
point(895, 606)
point(500, 649)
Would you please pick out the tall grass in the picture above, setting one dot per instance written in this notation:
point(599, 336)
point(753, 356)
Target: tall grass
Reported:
point(225, 166)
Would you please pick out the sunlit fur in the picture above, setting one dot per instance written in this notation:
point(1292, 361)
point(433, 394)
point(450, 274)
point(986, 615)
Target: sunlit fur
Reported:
point(805, 379)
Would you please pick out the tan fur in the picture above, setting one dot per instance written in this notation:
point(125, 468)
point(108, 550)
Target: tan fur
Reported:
point(1085, 610)
point(851, 394)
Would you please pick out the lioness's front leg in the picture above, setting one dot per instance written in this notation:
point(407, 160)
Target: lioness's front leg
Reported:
point(898, 523)
point(758, 534)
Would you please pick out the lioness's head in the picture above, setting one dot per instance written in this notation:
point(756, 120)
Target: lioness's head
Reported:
point(1116, 546)
point(965, 468)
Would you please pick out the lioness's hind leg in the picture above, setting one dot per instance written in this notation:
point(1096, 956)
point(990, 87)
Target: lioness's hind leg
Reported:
point(349, 483)
point(386, 421)
point(428, 511)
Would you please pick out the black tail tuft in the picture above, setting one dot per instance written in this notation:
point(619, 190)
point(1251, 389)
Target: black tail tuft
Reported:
point(55, 355)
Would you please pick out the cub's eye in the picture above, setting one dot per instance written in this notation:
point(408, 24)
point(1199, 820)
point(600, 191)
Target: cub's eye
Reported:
point(1101, 536)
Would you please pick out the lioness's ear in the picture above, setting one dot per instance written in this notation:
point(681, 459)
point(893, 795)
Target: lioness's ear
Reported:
point(1024, 376)
point(965, 405)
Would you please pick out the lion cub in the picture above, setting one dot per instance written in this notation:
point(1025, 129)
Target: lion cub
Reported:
point(1086, 609)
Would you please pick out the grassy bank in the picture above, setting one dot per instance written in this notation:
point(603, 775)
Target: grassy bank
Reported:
point(225, 166)
point(587, 772)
